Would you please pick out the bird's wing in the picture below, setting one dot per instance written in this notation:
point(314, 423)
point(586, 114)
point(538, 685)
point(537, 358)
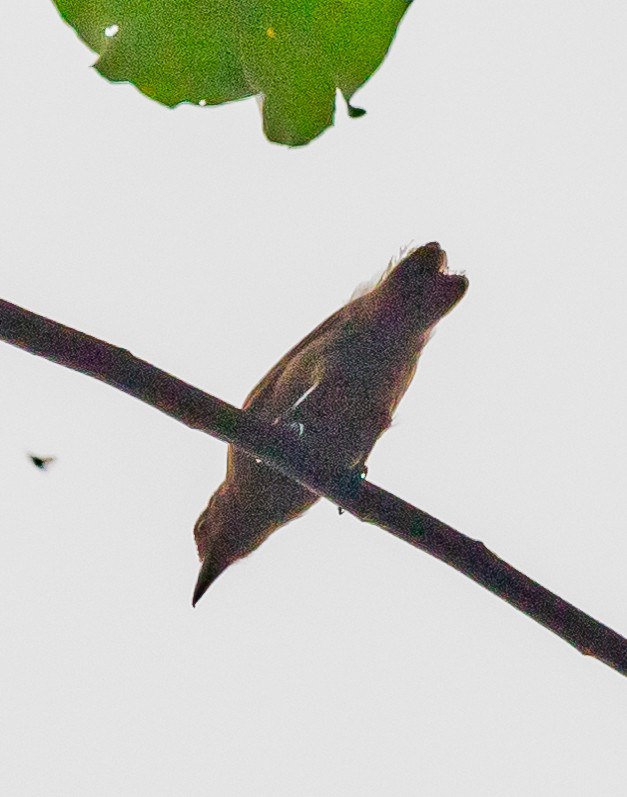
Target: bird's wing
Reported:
point(262, 391)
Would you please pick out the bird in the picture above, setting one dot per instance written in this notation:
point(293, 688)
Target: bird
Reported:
point(41, 462)
point(337, 390)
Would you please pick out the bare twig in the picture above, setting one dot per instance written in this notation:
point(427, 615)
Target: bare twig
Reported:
point(280, 449)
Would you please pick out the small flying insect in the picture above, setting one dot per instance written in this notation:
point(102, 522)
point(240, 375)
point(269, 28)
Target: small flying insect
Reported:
point(41, 462)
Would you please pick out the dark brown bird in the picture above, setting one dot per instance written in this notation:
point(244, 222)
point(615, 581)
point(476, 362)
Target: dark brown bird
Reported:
point(338, 388)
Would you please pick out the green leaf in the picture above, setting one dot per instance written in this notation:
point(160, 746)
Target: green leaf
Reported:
point(294, 53)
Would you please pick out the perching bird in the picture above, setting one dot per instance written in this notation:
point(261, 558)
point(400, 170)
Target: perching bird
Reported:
point(41, 462)
point(339, 388)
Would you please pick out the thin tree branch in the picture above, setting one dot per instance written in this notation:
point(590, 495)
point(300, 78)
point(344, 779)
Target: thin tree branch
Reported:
point(279, 448)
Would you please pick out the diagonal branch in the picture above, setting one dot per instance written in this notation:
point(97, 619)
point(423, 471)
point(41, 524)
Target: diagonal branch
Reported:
point(285, 452)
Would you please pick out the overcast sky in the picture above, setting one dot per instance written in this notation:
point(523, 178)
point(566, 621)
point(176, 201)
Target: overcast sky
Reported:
point(336, 660)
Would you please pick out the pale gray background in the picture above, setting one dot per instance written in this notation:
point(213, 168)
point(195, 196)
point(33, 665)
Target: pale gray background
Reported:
point(336, 660)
